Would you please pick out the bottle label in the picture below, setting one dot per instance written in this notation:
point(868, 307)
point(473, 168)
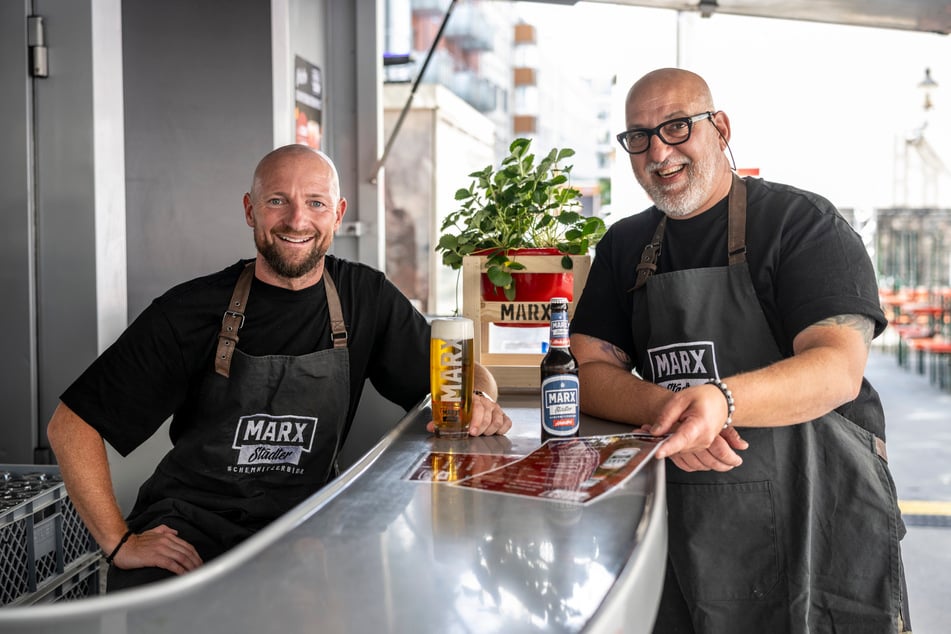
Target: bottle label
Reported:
point(559, 330)
point(561, 410)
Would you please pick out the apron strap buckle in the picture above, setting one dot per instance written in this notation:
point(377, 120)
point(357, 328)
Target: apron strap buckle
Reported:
point(231, 316)
point(339, 339)
point(232, 321)
point(649, 256)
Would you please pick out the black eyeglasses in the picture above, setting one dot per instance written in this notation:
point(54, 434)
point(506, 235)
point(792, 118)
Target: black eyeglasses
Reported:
point(673, 132)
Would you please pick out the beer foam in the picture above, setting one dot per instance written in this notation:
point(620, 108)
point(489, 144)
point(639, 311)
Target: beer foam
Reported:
point(452, 328)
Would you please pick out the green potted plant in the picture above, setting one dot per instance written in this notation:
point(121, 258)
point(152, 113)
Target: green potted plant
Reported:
point(520, 205)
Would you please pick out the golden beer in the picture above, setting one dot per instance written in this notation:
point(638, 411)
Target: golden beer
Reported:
point(451, 370)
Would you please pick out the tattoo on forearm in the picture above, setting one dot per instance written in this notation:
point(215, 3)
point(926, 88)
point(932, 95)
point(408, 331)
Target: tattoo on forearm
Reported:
point(860, 323)
point(606, 349)
point(619, 354)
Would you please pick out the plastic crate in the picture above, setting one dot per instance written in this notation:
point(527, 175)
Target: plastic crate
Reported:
point(81, 579)
point(44, 544)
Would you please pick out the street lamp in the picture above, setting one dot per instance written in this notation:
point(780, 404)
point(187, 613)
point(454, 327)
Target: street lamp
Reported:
point(928, 85)
point(931, 165)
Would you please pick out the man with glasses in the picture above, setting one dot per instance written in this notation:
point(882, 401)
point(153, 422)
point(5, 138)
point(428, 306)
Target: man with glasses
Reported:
point(740, 303)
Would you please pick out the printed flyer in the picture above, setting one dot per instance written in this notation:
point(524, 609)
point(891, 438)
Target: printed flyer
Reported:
point(576, 470)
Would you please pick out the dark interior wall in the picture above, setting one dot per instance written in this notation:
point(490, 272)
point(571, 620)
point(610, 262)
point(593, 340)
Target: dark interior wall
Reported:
point(198, 115)
point(65, 198)
point(17, 374)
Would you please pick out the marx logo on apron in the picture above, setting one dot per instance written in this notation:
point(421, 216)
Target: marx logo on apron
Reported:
point(264, 439)
point(681, 365)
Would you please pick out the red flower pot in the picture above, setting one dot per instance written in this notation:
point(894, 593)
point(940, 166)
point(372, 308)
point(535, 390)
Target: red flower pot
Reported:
point(532, 287)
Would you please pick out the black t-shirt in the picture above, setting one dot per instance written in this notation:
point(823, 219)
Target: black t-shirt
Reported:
point(806, 261)
point(157, 364)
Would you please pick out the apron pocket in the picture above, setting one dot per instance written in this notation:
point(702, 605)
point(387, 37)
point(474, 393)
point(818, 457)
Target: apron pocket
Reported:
point(722, 540)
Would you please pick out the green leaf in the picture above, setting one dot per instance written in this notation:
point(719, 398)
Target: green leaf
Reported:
point(499, 276)
point(496, 258)
point(569, 217)
point(448, 242)
point(519, 146)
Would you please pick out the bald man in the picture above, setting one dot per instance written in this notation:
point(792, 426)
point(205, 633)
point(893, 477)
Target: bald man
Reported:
point(736, 315)
point(247, 445)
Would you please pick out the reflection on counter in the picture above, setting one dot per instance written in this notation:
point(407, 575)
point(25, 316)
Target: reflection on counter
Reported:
point(399, 543)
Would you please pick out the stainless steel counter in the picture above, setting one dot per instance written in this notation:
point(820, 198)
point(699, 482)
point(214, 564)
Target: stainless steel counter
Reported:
point(378, 552)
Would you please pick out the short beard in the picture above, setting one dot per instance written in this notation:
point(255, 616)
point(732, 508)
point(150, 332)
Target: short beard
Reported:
point(290, 270)
point(682, 204)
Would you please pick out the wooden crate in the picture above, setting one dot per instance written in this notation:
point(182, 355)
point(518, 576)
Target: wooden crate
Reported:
point(519, 371)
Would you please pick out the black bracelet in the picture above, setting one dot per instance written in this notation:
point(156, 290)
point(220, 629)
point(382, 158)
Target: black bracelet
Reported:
point(730, 406)
point(115, 551)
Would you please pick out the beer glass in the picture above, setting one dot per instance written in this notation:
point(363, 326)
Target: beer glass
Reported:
point(451, 369)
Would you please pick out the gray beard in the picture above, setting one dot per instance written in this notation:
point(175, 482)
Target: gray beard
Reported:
point(686, 203)
point(675, 208)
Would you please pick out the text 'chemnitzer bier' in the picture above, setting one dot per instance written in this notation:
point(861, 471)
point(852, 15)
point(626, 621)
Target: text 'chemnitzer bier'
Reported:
point(561, 407)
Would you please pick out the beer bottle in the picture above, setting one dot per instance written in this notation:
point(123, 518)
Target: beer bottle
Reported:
point(561, 407)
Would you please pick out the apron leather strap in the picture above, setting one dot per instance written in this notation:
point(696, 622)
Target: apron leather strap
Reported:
point(880, 448)
point(232, 321)
point(736, 248)
point(338, 329)
point(648, 264)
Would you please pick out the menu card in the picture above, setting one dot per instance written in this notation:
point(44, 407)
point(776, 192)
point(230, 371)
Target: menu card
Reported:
point(575, 470)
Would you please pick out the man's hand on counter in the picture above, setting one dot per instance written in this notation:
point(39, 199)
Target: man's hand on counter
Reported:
point(158, 547)
point(488, 419)
point(699, 440)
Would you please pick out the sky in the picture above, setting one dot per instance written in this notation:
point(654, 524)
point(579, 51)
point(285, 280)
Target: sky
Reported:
point(823, 107)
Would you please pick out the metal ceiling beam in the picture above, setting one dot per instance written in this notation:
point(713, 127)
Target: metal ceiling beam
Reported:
point(933, 16)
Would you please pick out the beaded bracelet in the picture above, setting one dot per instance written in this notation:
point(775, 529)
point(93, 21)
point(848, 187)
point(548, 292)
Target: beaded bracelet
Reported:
point(115, 551)
point(730, 406)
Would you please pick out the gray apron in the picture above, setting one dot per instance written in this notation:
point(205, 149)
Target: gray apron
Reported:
point(267, 434)
point(804, 535)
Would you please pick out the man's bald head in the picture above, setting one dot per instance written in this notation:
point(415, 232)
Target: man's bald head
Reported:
point(290, 152)
point(672, 84)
